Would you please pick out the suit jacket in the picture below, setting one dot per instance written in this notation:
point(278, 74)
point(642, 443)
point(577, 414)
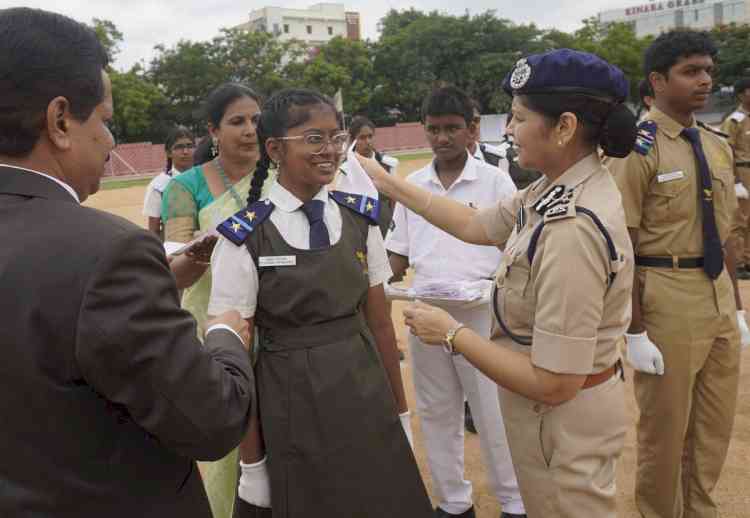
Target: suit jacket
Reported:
point(107, 395)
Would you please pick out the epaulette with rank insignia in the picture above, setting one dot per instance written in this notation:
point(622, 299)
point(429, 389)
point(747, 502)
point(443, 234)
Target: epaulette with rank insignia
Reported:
point(363, 205)
point(712, 129)
point(238, 227)
point(645, 137)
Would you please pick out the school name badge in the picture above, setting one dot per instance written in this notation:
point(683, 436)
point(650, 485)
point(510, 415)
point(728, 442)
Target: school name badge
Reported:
point(269, 261)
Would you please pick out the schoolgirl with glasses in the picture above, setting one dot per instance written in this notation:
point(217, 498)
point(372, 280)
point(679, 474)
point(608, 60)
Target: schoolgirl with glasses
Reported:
point(306, 267)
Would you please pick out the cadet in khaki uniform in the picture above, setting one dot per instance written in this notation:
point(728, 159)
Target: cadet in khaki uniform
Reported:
point(684, 338)
point(563, 289)
point(737, 127)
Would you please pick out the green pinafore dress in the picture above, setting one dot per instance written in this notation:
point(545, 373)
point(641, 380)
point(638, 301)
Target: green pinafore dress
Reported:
point(333, 438)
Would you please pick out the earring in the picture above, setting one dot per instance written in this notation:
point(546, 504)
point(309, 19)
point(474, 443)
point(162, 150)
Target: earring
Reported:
point(215, 146)
point(559, 143)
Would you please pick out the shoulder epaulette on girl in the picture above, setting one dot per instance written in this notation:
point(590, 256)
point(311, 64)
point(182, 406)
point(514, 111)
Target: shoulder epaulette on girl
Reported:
point(238, 227)
point(362, 205)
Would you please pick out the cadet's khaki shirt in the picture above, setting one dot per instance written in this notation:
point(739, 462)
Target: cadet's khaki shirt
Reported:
point(739, 134)
point(660, 190)
point(563, 300)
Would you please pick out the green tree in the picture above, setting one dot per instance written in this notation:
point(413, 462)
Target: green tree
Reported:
point(618, 44)
point(474, 53)
point(138, 106)
point(347, 65)
point(733, 42)
point(109, 36)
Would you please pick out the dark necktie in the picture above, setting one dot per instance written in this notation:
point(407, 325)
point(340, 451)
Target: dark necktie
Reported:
point(313, 209)
point(713, 256)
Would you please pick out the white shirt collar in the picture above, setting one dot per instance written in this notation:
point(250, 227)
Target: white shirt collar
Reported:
point(468, 174)
point(288, 202)
point(478, 152)
point(56, 180)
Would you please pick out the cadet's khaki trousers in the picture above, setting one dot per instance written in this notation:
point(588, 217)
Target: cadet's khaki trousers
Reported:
point(565, 456)
point(741, 228)
point(686, 415)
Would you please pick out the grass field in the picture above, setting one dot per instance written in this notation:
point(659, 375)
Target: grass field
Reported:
point(732, 493)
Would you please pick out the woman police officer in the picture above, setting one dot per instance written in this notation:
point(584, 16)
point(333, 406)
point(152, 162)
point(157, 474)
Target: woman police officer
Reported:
point(562, 295)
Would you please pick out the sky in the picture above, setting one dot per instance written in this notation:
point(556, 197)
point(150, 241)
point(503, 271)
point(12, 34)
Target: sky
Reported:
point(146, 23)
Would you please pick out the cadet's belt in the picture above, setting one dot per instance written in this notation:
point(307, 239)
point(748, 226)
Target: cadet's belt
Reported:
point(669, 262)
point(592, 380)
point(745, 163)
point(307, 337)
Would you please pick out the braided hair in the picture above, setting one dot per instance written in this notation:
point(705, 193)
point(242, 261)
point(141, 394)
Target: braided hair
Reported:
point(282, 111)
point(173, 136)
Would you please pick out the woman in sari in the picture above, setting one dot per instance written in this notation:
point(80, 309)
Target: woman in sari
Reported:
point(195, 203)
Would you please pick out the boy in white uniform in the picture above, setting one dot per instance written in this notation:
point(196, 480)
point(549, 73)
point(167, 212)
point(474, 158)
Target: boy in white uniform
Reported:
point(442, 381)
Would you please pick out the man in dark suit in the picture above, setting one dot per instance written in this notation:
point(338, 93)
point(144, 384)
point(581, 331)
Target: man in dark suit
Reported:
point(106, 394)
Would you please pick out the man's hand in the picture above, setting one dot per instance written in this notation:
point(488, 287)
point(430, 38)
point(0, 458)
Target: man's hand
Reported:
point(643, 355)
point(234, 320)
point(200, 251)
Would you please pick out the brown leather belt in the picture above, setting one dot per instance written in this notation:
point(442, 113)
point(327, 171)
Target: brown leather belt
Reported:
point(745, 163)
point(592, 380)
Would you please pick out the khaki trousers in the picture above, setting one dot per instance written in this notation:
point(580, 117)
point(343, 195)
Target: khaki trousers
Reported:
point(686, 415)
point(565, 456)
point(741, 227)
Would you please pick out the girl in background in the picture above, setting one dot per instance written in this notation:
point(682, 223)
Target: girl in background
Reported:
point(179, 148)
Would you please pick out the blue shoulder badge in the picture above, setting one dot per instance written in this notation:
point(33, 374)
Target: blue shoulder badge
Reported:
point(238, 227)
point(645, 137)
point(363, 205)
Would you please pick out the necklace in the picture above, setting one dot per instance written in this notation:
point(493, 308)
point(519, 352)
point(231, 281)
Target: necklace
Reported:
point(227, 184)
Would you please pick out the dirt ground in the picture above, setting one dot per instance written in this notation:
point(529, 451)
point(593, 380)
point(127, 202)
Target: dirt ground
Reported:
point(732, 492)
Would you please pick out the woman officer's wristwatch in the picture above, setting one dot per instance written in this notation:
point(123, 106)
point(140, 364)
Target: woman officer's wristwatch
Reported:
point(449, 337)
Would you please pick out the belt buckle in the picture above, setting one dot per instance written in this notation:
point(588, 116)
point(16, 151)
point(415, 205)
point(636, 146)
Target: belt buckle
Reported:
point(675, 263)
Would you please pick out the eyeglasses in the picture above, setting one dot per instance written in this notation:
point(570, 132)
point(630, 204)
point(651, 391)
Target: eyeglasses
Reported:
point(183, 147)
point(318, 143)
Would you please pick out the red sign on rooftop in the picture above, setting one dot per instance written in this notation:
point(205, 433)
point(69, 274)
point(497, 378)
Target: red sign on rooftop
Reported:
point(661, 6)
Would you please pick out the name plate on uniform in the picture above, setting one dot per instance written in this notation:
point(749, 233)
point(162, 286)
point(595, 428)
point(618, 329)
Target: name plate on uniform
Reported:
point(277, 260)
point(668, 177)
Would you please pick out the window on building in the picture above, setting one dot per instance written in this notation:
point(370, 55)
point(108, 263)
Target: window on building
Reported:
point(309, 29)
point(718, 13)
point(330, 31)
point(695, 13)
point(286, 28)
point(679, 18)
point(276, 30)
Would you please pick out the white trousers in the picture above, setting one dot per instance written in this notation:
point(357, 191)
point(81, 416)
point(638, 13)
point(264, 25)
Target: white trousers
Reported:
point(442, 382)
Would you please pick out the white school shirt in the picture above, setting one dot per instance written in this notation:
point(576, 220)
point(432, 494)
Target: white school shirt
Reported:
point(435, 254)
point(235, 277)
point(154, 193)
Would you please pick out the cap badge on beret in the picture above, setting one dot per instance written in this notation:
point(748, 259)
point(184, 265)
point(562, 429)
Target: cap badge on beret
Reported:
point(521, 74)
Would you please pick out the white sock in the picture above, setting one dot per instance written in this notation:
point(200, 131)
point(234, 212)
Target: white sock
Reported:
point(255, 485)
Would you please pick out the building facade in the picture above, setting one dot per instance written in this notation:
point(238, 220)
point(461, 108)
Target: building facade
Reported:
point(315, 26)
point(651, 18)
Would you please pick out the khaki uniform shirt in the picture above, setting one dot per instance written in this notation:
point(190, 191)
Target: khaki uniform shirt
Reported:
point(660, 190)
point(737, 126)
point(563, 300)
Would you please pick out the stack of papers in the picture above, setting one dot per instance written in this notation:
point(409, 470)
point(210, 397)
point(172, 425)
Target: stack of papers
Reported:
point(445, 293)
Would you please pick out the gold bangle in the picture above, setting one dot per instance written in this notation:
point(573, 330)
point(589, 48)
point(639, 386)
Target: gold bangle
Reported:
point(427, 205)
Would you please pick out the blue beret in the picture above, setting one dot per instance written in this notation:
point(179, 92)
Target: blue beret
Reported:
point(566, 71)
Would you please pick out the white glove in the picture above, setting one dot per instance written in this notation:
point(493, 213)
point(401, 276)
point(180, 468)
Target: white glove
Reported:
point(643, 355)
point(744, 331)
point(406, 425)
point(741, 192)
point(255, 484)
